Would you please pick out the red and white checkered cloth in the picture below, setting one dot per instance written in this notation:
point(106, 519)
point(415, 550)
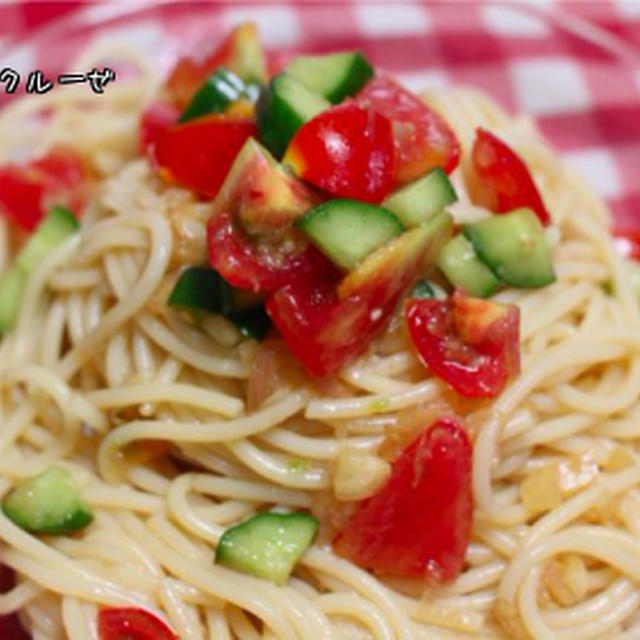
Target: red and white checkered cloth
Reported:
point(574, 66)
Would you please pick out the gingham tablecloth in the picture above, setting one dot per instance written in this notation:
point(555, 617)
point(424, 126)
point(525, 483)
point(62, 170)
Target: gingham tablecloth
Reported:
point(573, 66)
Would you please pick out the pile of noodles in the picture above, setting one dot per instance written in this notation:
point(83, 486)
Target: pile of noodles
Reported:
point(176, 430)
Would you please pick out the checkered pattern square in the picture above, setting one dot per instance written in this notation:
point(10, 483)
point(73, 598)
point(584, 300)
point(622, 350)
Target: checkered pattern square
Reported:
point(575, 66)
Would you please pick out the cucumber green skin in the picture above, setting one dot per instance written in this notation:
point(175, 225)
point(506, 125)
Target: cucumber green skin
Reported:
point(279, 117)
point(459, 262)
point(220, 89)
point(55, 227)
point(425, 289)
point(347, 230)
point(252, 322)
point(204, 289)
point(421, 199)
point(335, 75)
point(268, 544)
point(49, 502)
point(12, 284)
point(514, 247)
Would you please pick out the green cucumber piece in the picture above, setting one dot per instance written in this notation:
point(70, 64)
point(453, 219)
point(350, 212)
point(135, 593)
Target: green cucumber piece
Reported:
point(426, 289)
point(282, 108)
point(513, 245)
point(347, 230)
point(221, 89)
point(252, 322)
point(49, 502)
point(268, 544)
point(459, 262)
point(56, 227)
point(204, 289)
point(12, 284)
point(335, 75)
point(421, 199)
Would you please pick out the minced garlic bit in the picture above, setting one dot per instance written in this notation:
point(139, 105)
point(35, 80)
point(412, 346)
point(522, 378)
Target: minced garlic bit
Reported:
point(507, 615)
point(619, 458)
point(541, 490)
point(576, 473)
point(604, 510)
point(566, 580)
point(357, 474)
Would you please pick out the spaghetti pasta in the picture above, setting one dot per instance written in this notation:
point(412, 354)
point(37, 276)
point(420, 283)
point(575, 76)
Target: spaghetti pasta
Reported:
point(98, 367)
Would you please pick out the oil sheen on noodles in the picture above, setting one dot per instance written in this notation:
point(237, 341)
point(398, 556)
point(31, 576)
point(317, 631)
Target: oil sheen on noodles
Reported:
point(96, 345)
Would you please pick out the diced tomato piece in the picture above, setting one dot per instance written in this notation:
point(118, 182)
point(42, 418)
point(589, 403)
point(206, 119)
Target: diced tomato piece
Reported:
point(10, 627)
point(239, 52)
point(258, 266)
point(28, 191)
point(326, 320)
point(199, 153)
point(472, 344)
point(346, 150)
point(156, 119)
point(423, 138)
point(133, 623)
point(252, 242)
point(322, 331)
point(418, 523)
point(627, 242)
point(500, 180)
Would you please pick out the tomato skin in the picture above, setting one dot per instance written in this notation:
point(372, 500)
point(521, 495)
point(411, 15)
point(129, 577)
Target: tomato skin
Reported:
point(472, 344)
point(250, 234)
point(199, 153)
point(239, 52)
point(327, 319)
point(132, 623)
point(322, 331)
point(423, 138)
point(347, 151)
point(251, 265)
point(27, 191)
point(156, 119)
point(418, 523)
point(627, 242)
point(500, 180)
point(10, 627)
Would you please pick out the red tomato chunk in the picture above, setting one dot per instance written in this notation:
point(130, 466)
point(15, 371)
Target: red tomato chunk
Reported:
point(133, 623)
point(28, 191)
point(233, 53)
point(423, 138)
point(501, 180)
point(259, 267)
point(157, 118)
point(322, 331)
point(627, 242)
point(419, 523)
point(472, 344)
point(199, 153)
point(347, 151)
